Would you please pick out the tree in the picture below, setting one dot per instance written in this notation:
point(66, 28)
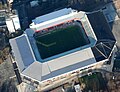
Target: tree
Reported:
point(9, 86)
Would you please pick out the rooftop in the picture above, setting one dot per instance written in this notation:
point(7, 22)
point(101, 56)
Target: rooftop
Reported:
point(104, 35)
point(51, 68)
point(22, 55)
point(60, 65)
point(78, 58)
point(52, 15)
point(100, 26)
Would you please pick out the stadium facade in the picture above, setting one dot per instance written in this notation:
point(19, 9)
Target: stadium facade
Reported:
point(100, 48)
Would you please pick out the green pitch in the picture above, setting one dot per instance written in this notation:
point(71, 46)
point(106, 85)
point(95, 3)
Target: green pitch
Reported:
point(60, 40)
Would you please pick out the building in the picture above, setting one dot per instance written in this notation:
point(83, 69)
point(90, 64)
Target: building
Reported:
point(13, 23)
point(27, 7)
point(2, 16)
point(8, 20)
point(9, 1)
point(44, 61)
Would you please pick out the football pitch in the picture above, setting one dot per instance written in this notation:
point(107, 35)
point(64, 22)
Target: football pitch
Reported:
point(60, 40)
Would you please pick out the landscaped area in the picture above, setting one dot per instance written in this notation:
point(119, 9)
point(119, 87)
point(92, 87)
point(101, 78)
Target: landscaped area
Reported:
point(88, 83)
point(93, 83)
point(60, 40)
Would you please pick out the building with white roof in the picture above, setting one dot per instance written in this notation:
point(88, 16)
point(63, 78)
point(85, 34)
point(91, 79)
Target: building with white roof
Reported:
point(32, 66)
point(13, 23)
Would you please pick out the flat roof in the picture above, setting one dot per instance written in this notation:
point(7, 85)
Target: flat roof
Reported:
point(52, 15)
point(22, 51)
point(100, 26)
point(29, 66)
point(103, 32)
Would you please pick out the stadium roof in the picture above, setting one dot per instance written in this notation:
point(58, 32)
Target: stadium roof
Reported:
point(29, 66)
point(52, 15)
point(55, 18)
point(23, 53)
point(104, 35)
point(55, 67)
point(100, 26)
point(102, 50)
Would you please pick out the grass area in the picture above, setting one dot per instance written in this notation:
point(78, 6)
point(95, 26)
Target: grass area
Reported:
point(94, 82)
point(60, 40)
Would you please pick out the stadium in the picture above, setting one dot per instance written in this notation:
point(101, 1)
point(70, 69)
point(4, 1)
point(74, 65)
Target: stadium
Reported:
point(61, 44)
